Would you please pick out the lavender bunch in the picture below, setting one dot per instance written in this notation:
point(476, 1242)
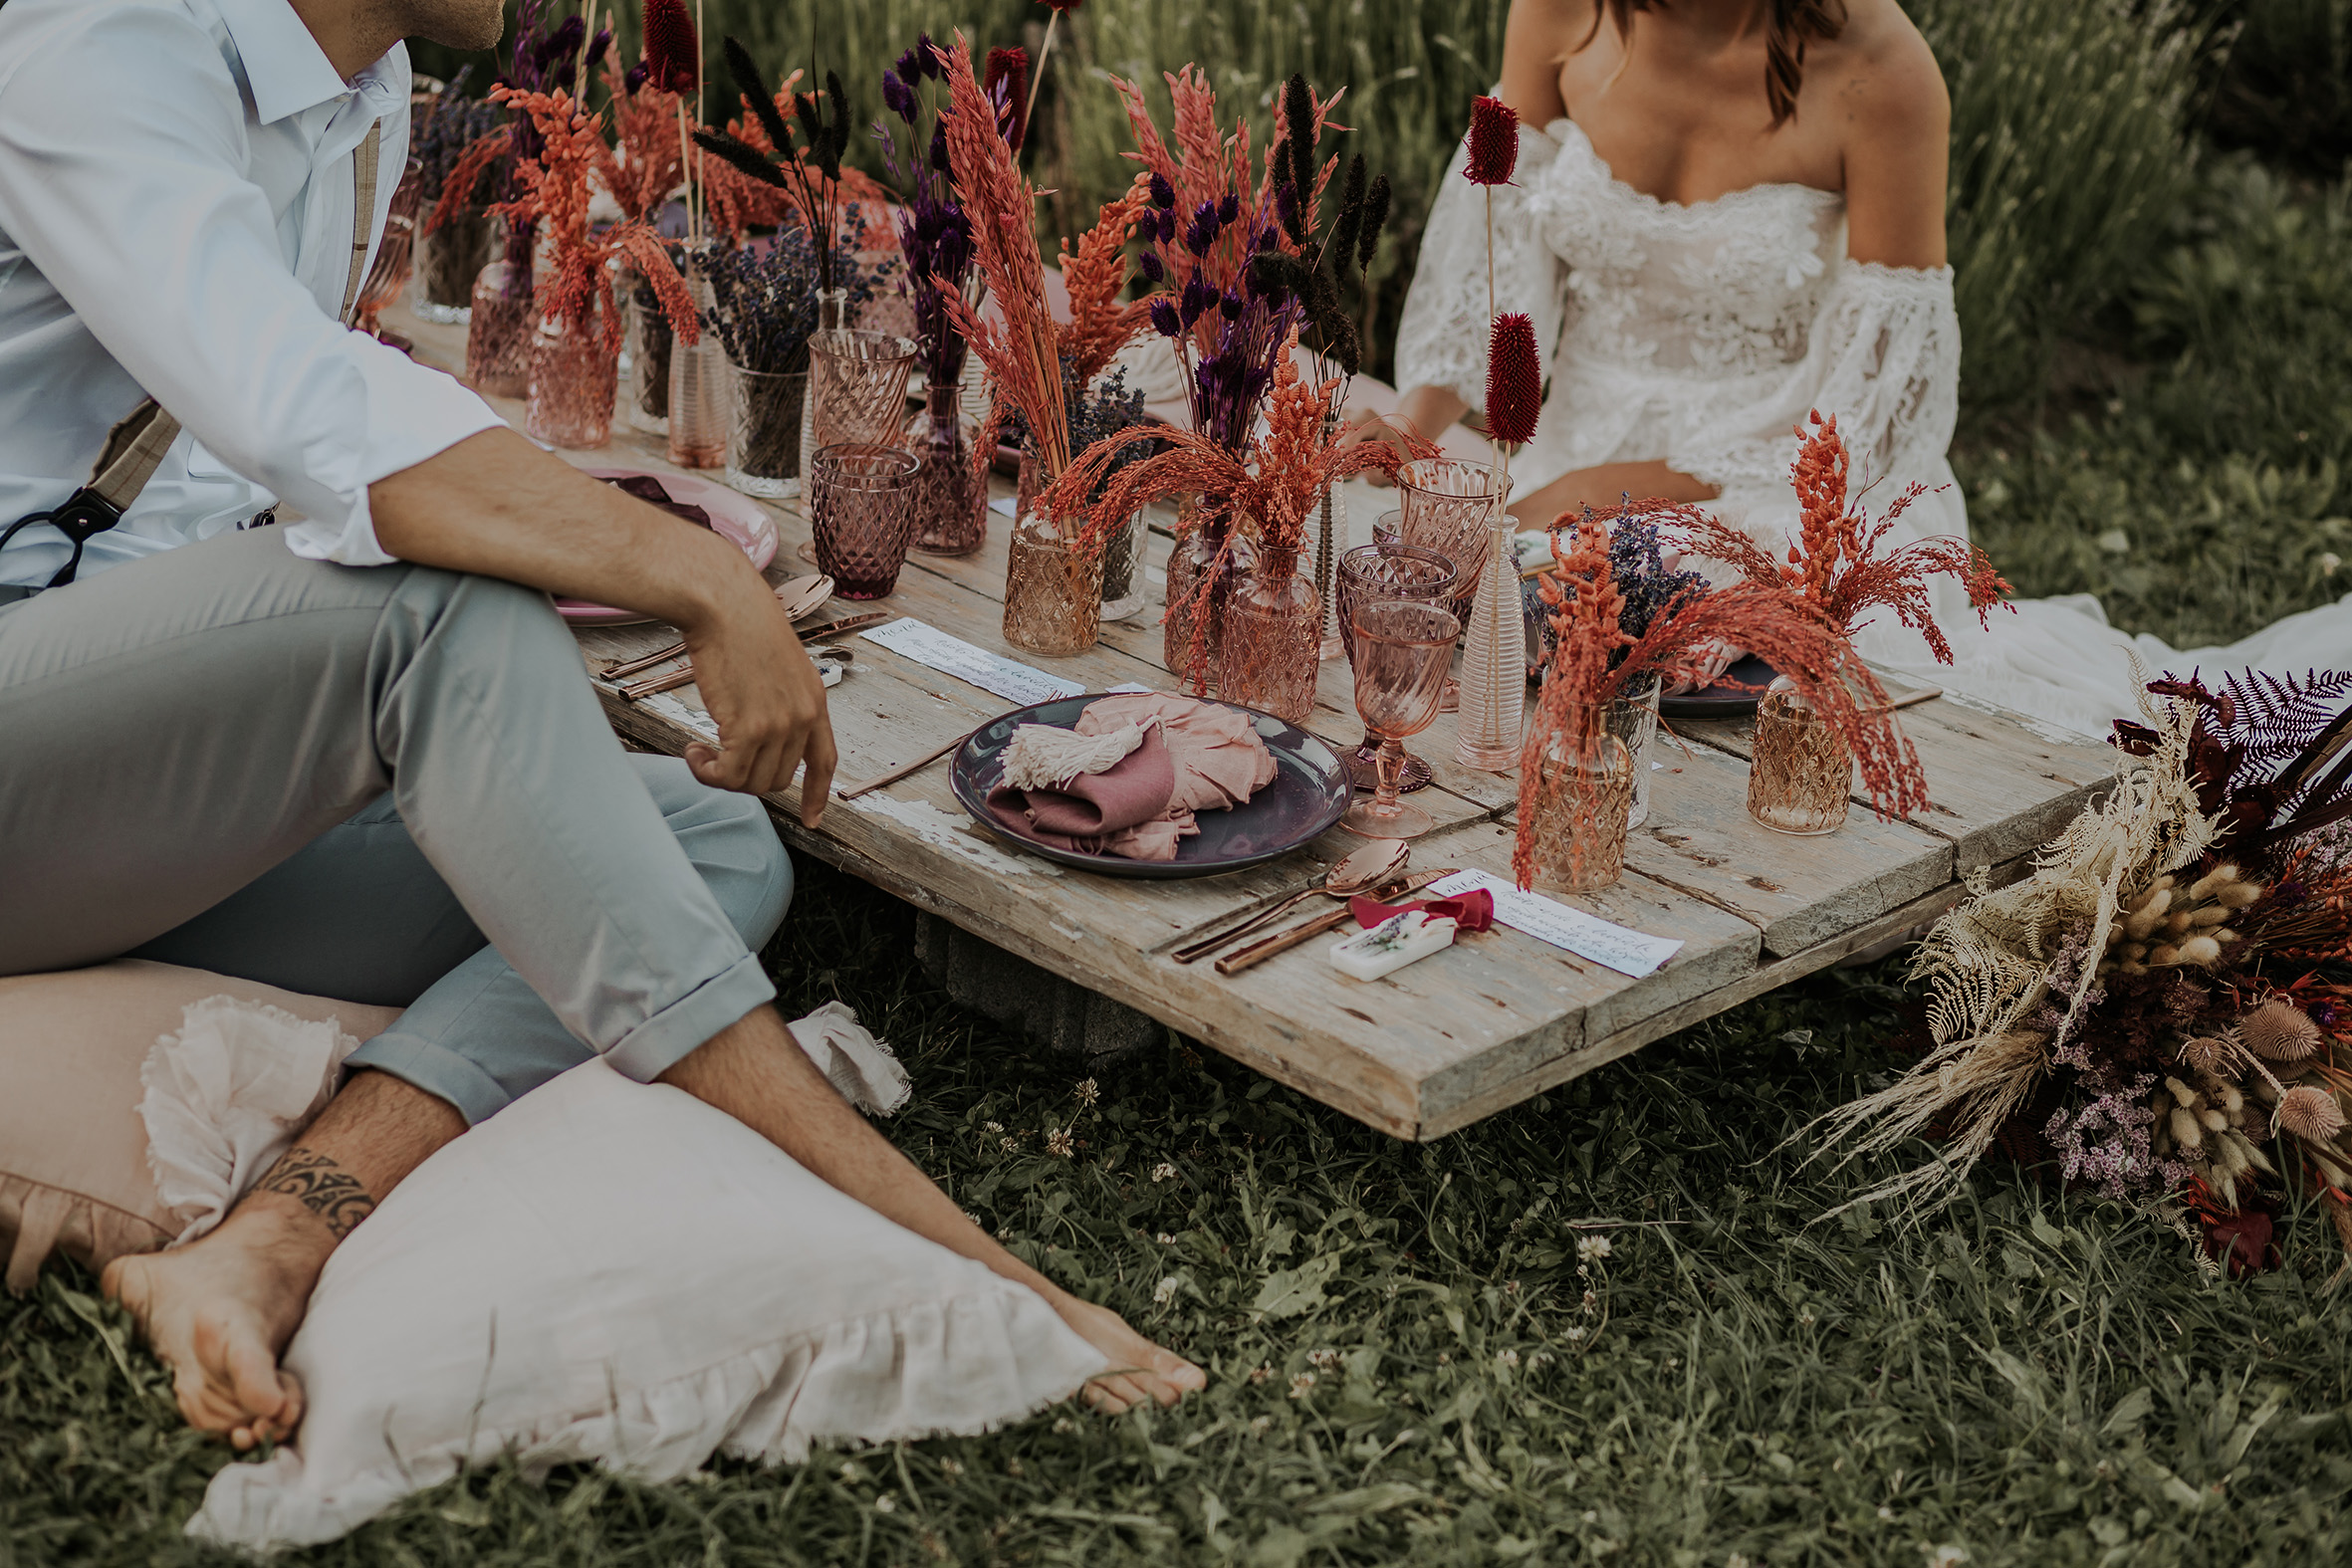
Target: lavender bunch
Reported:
point(1101, 413)
point(763, 301)
point(1252, 310)
point(452, 123)
point(934, 233)
point(1637, 562)
point(544, 60)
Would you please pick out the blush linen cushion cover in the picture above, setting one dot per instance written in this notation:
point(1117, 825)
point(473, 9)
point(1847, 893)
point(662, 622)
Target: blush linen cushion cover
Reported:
point(617, 1273)
point(81, 1052)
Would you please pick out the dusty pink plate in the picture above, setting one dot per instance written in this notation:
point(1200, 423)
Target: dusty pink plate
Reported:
point(734, 515)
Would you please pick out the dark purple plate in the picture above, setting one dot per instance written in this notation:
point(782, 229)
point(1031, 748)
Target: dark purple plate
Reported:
point(1309, 793)
point(1721, 700)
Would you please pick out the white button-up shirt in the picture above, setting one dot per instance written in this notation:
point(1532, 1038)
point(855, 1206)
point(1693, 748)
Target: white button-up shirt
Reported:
point(175, 220)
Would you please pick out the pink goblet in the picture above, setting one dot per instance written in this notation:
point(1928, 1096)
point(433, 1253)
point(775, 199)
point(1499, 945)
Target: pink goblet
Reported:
point(1402, 629)
point(1363, 565)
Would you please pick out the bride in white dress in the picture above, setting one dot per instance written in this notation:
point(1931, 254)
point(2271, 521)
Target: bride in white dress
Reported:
point(1732, 215)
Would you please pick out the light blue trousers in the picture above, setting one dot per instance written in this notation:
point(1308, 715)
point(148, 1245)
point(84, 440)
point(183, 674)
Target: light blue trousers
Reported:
point(388, 785)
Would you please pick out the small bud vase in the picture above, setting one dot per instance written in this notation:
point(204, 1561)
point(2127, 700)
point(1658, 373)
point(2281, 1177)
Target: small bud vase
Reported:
point(1202, 570)
point(699, 387)
point(1802, 780)
point(575, 374)
point(1273, 637)
point(448, 260)
point(1331, 519)
point(951, 501)
point(499, 333)
point(1492, 714)
point(1053, 592)
point(764, 433)
point(1633, 720)
point(1575, 824)
point(647, 404)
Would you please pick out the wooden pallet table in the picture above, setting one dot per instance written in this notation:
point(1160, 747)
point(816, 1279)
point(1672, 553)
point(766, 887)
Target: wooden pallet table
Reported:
point(1495, 1019)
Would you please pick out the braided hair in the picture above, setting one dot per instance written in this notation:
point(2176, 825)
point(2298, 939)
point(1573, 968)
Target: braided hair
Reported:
point(1793, 25)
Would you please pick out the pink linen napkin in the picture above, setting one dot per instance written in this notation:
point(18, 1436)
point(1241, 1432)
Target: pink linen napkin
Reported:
point(1220, 762)
point(1124, 811)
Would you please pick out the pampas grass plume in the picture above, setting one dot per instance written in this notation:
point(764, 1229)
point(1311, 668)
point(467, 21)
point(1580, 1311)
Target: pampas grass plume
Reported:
point(2278, 1030)
point(1494, 141)
point(1515, 380)
point(670, 47)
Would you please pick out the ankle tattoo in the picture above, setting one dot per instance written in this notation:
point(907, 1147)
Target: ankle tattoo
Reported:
point(320, 1186)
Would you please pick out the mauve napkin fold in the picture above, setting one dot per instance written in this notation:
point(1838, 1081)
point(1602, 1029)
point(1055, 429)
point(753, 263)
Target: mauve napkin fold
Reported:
point(1195, 757)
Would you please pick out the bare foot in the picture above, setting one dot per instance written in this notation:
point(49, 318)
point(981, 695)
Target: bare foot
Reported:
point(1141, 1370)
point(218, 1311)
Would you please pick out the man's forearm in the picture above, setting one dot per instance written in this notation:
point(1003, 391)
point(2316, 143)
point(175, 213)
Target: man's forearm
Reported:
point(497, 506)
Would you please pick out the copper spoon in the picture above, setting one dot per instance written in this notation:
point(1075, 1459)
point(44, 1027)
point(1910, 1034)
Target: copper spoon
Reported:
point(1374, 864)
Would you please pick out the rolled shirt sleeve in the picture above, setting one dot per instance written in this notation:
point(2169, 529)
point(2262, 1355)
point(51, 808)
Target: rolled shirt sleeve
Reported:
point(136, 208)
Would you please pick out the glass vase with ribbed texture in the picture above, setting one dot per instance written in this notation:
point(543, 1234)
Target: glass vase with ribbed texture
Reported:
point(764, 439)
point(500, 333)
point(1490, 721)
point(1052, 591)
point(395, 254)
point(1331, 540)
point(1576, 820)
point(699, 382)
point(575, 374)
point(862, 515)
point(951, 501)
point(832, 314)
point(1273, 632)
point(858, 386)
point(1123, 572)
point(1209, 557)
point(448, 259)
point(647, 405)
point(1801, 780)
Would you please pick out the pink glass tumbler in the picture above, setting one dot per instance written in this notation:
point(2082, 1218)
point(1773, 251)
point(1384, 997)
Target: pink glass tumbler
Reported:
point(863, 515)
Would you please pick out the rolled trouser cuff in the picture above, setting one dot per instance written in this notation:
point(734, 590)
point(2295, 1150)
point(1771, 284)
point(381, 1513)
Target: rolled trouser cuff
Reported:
point(663, 1041)
point(437, 1071)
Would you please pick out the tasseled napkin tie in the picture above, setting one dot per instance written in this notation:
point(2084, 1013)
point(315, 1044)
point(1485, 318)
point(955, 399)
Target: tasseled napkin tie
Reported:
point(1041, 757)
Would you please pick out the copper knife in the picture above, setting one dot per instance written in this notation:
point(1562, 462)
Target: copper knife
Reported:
point(685, 677)
point(1284, 941)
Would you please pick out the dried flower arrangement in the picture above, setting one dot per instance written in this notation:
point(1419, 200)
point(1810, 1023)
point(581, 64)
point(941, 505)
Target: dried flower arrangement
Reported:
point(555, 191)
point(934, 233)
point(648, 158)
point(546, 61)
point(455, 143)
point(2163, 1009)
point(1597, 657)
point(806, 173)
point(1314, 269)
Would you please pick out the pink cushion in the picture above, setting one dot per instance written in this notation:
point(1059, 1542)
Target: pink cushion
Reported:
point(73, 1149)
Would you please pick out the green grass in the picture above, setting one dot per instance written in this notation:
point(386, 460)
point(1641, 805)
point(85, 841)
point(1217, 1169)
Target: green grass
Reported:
point(2027, 1378)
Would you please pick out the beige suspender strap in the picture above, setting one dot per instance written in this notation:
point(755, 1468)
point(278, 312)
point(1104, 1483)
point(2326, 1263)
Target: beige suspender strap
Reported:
point(135, 446)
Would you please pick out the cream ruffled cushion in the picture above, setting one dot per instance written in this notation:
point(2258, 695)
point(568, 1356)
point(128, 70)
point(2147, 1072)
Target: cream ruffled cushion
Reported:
point(616, 1273)
point(81, 1051)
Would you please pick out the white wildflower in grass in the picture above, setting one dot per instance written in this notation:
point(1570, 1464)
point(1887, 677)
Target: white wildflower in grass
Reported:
point(1302, 1385)
point(1165, 1292)
point(952, 1467)
point(1947, 1555)
point(1064, 1423)
point(885, 1503)
point(1806, 1318)
point(1736, 1560)
point(1260, 1373)
point(1163, 1172)
point(1886, 1514)
point(992, 1127)
point(1324, 1360)
point(1575, 1333)
point(1510, 1287)
point(1011, 1145)
point(1087, 1091)
point(1259, 1426)
point(1445, 1358)
point(1013, 1467)
point(851, 1473)
point(1508, 1360)
point(1060, 1142)
point(1590, 1248)
point(1539, 1361)
point(1166, 1239)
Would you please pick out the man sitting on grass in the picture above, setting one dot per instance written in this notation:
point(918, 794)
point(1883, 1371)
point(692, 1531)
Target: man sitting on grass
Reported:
point(356, 755)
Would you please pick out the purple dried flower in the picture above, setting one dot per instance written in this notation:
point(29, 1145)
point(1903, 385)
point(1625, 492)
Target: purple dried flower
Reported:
point(910, 64)
point(1148, 264)
point(633, 79)
point(597, 45)
point(1167, 228)
point(1230, 307)
point(1230, 209)
point(1163, 194)
point(898, 96)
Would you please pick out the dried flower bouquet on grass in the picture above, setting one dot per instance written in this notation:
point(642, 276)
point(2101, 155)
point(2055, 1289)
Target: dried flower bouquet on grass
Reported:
point(2161, 1010)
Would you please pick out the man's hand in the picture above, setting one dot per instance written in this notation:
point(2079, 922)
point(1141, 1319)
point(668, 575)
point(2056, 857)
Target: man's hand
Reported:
point(497, 506)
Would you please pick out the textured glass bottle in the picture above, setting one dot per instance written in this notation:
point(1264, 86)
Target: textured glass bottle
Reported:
point(1202, 570)
point(1583, 793)
point(448, 260)
point(1053, 592)
point(647, 404)
point(575, 374)
point(499, 335)
point(1801, 779)
point(699, 387)
point(951, 501)
point(1272, 636)
point(832, 314)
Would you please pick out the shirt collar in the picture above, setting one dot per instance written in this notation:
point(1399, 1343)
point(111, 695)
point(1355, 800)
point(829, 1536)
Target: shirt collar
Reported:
point(285, 69)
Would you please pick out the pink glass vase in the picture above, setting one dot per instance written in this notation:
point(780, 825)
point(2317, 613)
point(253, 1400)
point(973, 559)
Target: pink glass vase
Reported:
point(1209, 559)
point(699, 384)
point(1801, 779)
point(448, 259)
point(574, 375)
point(1575, 825)
point(951, 501)
point(1272, 636)
point(1053, 592)
point(862, 515)
point(500, 333)
point(395, 256)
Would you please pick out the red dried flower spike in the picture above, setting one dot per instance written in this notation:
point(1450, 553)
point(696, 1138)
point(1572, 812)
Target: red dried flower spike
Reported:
point(1494, 141)
point(1010, 67)
point(670, 47)
point(1515, 380)
point(1064, 6)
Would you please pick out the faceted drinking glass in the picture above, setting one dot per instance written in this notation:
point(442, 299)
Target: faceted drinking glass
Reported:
point(863, 511)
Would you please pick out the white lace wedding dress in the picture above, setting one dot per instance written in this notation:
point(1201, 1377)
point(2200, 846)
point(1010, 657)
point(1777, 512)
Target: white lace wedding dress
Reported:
point(1704, 335)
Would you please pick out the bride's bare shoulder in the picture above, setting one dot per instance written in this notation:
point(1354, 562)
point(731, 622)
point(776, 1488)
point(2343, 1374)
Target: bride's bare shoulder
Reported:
point(1883, 76)
point(1537, 40)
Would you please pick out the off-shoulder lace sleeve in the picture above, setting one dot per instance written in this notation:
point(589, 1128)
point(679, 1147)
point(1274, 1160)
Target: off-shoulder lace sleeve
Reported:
point(1883, 356)
point(1441, 340)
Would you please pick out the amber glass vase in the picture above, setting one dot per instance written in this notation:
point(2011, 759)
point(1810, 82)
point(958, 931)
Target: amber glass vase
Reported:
point(1273, 637)
point(575, 374)
point(1053, 592)
point(1802, 776)
point(699, 384)
point(1575, 824)
point(1194, 627)
point(499, 336)
point(951, 501)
